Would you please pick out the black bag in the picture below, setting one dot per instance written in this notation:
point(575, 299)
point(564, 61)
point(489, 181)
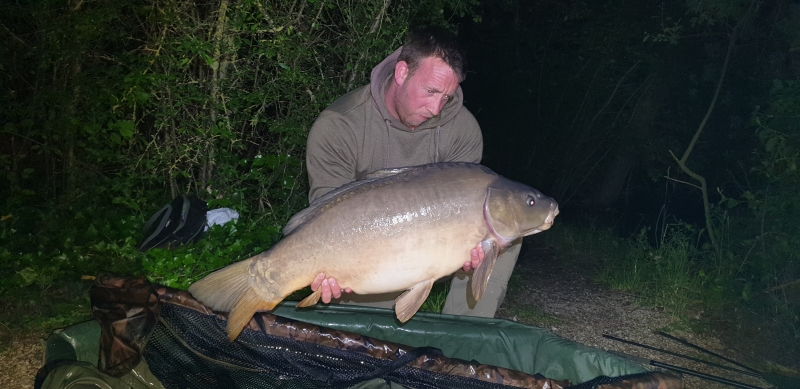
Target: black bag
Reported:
point(181, 221)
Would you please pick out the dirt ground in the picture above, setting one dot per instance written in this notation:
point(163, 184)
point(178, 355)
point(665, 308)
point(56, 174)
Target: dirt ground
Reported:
point(546, 292)
point(20, 362)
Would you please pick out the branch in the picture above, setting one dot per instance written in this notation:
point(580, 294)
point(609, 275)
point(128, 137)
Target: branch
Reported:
point(724, 70)
point(682, 182)
point(12, 34)
point(375, 25)
point(783, 286)
point(608, 101)
point(682, 161)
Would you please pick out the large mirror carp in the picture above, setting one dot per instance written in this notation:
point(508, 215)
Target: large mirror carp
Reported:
point(399, 229)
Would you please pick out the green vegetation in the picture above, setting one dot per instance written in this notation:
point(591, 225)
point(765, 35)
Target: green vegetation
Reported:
point(435, 301)
point(110, 109)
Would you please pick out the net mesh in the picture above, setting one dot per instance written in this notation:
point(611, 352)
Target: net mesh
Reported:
point(189, 349)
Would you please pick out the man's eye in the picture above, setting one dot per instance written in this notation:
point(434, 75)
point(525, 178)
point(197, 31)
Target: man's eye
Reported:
point(447, 97)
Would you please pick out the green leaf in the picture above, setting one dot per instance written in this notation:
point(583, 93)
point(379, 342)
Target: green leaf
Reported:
point(29, 275)
point(288, 182)
point(126, 129)
point(771, 143)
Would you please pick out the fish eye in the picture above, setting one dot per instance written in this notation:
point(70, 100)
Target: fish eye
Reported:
point(530, 201)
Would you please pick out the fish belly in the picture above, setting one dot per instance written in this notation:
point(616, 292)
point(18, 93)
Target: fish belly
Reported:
point(400, 262)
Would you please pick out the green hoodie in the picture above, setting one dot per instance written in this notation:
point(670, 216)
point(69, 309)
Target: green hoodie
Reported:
point(356, 136)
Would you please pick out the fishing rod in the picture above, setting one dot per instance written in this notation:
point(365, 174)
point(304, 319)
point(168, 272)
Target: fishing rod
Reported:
point(758, 375)
point(686, 371)
point(709, 352)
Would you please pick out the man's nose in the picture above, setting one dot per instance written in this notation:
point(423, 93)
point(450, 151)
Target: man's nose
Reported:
point(435, 106)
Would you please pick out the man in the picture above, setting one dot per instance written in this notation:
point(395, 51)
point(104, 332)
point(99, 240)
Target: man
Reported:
point(410, 113)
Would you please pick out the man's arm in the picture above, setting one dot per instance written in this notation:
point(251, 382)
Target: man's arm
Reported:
point(330, 154)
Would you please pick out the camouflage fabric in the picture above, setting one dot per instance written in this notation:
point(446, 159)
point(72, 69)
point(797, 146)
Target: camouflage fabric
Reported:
point(127, 310)
point(654, 380)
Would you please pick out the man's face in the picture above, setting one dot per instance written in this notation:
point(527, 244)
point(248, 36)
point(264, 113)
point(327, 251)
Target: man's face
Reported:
point(422, 95)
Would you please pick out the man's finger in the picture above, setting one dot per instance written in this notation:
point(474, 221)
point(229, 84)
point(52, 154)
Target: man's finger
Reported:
point(326, 292)
point(335, 289)
point(478, 257)
point(317, 282)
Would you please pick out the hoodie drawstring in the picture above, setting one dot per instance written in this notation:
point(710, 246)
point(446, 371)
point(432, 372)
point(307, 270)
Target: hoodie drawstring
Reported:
point(388, 144)
point(436, 144)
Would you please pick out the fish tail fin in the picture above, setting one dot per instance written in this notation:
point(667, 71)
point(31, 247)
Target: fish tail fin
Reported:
point(243, 311)
point(229, 290)
point(222, 289)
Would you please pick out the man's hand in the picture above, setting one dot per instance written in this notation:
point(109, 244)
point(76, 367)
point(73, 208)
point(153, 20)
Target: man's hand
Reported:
point(329, 288)
point(476, 256)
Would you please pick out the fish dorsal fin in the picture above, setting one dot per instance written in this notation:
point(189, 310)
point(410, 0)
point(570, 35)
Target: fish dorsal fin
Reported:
point(389, 172)
point(480, 278)
point(301, 217)
point(408, 303)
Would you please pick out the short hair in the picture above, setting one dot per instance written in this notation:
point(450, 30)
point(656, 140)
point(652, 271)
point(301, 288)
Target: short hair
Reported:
point(430, 41)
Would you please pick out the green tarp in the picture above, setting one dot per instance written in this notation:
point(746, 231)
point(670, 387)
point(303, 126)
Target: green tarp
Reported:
point(495, 342)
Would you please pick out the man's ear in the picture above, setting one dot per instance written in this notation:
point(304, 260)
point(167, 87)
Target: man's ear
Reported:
point(400, 72)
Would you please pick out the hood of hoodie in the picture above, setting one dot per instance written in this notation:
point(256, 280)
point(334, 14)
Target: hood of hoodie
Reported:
point(380, 78)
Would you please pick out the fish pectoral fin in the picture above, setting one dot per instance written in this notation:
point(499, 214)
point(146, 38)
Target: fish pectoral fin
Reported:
point(480, 278)
point(312, 299)
point(408, 303)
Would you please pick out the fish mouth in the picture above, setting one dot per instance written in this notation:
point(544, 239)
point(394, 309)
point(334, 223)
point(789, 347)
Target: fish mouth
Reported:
point(551, 216)
point(548, 221)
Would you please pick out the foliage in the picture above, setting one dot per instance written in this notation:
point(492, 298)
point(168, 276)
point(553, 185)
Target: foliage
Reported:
point(109, 109)
point(43, 246)
point(769, 268)
point(221, 246)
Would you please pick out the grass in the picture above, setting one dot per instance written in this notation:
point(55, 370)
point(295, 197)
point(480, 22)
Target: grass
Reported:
point(665, 276)
point(707, 292)
point(435, 301)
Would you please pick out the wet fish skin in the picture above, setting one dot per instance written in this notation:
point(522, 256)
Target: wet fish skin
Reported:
point(401, 229)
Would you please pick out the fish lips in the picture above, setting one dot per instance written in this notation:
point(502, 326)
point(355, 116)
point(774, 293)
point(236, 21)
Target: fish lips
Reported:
point(548, 222)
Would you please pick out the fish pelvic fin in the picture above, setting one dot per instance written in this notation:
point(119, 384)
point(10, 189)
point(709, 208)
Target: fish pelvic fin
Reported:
point(408, 303)
point(480, 278)
point(243, 311)
point(312, 299)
